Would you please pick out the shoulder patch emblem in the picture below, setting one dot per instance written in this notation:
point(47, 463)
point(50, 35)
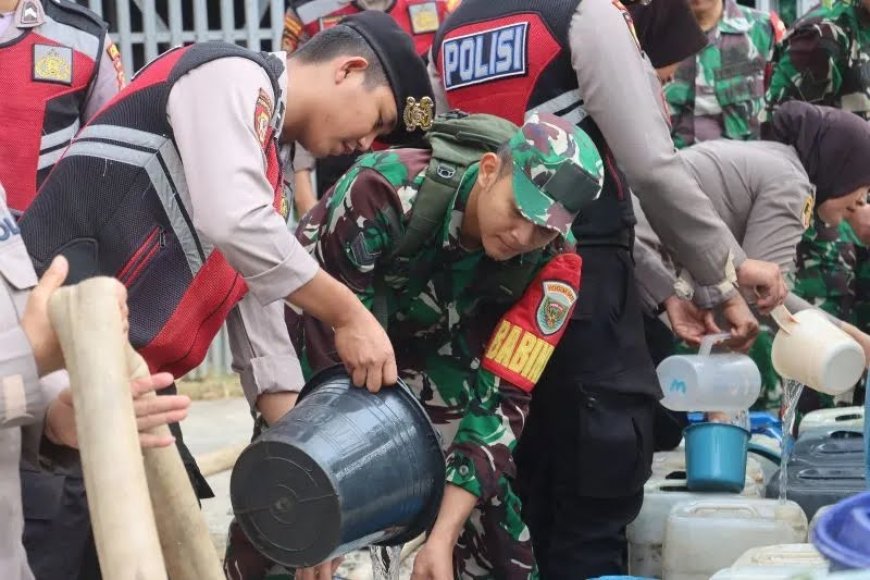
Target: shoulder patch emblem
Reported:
point(424, 17)
point(262, 116)
point(115, 56)
point(807, 212)
point(52, 64)
point(556, 303)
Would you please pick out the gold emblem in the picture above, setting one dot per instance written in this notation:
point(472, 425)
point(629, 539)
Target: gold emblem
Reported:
point(424, 17)
point(807, 213)
point(52, 63)
point(418, 113)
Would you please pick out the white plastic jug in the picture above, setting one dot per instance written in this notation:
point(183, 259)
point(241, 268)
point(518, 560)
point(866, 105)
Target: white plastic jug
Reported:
point(646, 534)
point(705, 536)
point(810, 349)
point(799, 555)
point(709, 382)
point(847, 417)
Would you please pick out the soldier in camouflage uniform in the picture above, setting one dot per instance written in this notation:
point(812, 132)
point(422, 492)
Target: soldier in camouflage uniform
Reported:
point(441, 311)
point(720, 91)
point(825, 60)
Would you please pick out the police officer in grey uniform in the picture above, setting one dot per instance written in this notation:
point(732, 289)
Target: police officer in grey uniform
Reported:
point(31, 412)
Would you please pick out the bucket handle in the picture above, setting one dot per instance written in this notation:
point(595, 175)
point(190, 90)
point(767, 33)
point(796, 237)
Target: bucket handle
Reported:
point(784, 318)
point(707, 342)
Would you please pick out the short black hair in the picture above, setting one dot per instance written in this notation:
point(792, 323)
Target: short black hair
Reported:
point(506, 160)
point(342, 41)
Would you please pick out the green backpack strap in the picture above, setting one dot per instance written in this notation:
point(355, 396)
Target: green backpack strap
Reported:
point(457, 140)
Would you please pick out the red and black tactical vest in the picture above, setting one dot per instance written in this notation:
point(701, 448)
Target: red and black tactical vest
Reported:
point(508, 57)
point(114, 205)
point(419, 18)
point(47, 73)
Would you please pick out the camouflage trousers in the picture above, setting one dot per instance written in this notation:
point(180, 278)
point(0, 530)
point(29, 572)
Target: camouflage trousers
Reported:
point(495, 543)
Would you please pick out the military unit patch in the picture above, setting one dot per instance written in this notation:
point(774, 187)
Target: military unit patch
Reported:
point(52, 64)
point(554, 307)
point(424, 17)
point(262, 117)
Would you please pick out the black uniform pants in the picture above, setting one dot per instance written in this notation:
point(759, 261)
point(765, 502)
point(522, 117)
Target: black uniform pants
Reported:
point(57, 526)
point(586, 450)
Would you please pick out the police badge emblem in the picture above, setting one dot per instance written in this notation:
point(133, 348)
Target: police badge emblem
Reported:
point(424, 17)
point(262, 116)
point(418, 113)
point(555, 304)
point(52, 64)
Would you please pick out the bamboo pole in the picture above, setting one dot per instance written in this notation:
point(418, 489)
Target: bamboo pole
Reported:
point(89, 328)
point(184, 535)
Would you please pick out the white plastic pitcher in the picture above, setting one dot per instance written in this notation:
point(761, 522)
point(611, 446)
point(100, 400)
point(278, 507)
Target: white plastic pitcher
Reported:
point(810, 349)
point(709, 382)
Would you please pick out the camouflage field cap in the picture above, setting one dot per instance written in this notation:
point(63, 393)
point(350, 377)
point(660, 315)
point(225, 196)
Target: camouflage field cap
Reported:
point(557, 170)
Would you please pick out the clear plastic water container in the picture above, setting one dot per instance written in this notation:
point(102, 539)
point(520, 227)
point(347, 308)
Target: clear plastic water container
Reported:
point(728, 382)
point(706, 536)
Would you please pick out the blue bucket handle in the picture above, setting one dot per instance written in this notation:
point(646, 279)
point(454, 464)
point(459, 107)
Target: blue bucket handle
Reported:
point(763, 451)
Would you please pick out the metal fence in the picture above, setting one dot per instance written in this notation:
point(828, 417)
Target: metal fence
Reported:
point(145, 28)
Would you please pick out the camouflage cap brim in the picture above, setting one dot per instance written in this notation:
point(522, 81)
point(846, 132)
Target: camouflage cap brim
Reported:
point(539, 208)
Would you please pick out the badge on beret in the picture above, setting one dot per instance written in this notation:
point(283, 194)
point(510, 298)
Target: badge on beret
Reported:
point(262, 116)
point(807, 213)
point(424, 17)
point(418, 113)
point(52, 64)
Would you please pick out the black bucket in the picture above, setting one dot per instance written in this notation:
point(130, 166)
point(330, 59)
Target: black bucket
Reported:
point(344, 469)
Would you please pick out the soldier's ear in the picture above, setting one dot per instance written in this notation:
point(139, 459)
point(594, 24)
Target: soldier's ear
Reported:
point(488, 170)
point(345, 65)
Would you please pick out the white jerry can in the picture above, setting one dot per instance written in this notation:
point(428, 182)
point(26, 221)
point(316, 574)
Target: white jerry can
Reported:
point(709, 535)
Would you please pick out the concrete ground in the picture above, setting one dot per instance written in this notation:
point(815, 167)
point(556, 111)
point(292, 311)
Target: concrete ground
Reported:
point(213, 425)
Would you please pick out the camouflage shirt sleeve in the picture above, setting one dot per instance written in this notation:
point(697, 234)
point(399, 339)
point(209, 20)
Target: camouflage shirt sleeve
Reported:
point(349, 230)
point(480, 457)
point(811, 64)
point(481, 453)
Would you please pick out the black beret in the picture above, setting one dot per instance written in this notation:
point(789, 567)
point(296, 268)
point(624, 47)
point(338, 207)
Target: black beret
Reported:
point(667, 31)
point(406, 73)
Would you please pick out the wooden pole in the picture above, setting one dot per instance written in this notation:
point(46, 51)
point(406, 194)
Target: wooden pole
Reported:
point(88, 325)
point(184, 535)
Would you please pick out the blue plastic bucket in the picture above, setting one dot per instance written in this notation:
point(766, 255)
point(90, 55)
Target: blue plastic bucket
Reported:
point(842, 534)
point(716, 457)
point(344, 469)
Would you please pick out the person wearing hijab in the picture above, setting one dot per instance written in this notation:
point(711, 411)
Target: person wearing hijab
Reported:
point(812, 165)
